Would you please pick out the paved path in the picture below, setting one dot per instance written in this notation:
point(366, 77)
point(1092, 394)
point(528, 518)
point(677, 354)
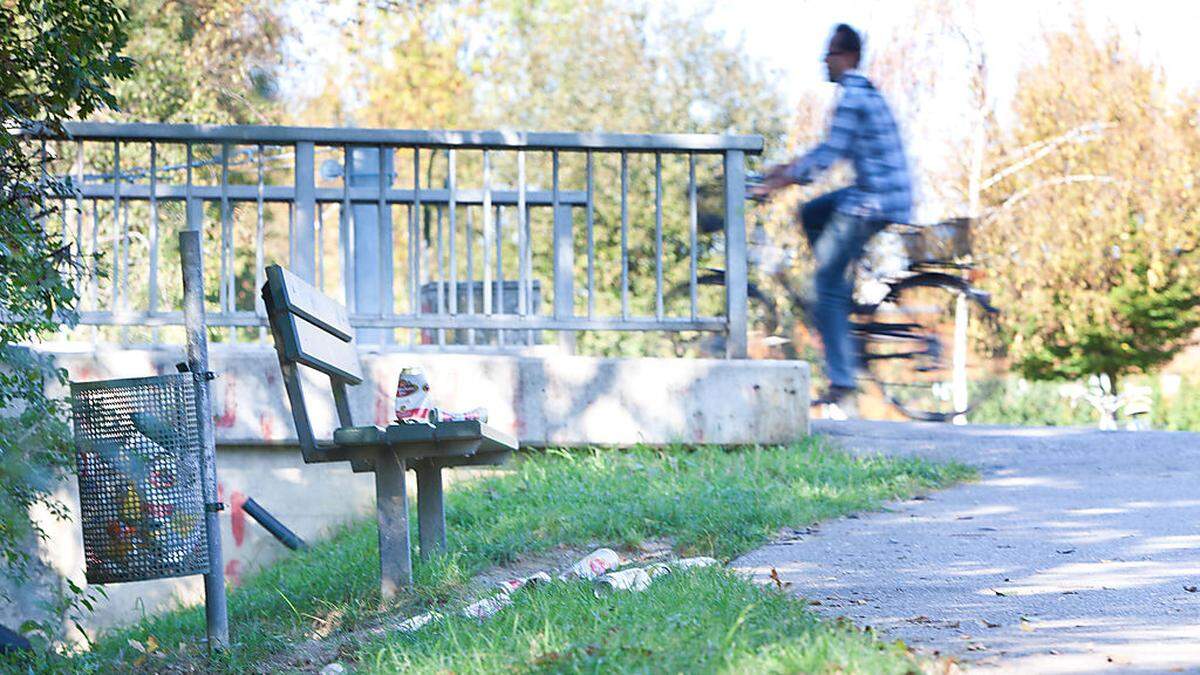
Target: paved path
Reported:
point(1077, 550)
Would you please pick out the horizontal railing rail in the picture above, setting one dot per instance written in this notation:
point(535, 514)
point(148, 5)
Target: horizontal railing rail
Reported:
point(474, 237)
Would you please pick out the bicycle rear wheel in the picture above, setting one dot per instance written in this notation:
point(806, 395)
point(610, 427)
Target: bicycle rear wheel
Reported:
point(917, 336)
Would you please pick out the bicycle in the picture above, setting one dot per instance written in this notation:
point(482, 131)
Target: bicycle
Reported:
point(902, 320)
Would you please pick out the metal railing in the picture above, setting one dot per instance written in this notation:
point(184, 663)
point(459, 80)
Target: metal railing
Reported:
point(435, 230)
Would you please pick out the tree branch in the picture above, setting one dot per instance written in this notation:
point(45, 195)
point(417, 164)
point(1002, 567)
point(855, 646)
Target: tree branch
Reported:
point(1062, 180)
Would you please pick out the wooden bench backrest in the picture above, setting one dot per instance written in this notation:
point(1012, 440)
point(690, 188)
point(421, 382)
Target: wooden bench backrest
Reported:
point(312, 330)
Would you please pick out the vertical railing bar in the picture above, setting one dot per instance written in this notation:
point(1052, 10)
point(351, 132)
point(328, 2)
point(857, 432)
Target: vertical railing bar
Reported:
point(80, 217)
point(554, 199)
point(95, 278)
point(125, 252)
point(187, 208)
point(414, 238)
point(94, 282)
point(259, 254)
point(591, 240)
point(499, 269)
point(320, 209)
point(522, 297)
point(118, 228)
point(658, 237)
point(453, 222)
point(441, 278)
point(153, 272)
point(735, 254)
point(470, 272)
point(624, 235)
point(692, 236)
point(347, 225)
point(227, 272)
point(487, 233)
point(386, 240)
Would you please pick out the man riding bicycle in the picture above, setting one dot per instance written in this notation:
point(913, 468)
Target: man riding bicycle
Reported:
point(839, 224)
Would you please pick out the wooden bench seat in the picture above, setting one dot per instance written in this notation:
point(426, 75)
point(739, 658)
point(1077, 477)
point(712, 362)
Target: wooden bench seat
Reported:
point(312, 330)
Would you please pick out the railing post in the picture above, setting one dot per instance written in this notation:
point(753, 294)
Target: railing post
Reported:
point(564, 262)
point(735, 254)
point(303, 253)
point(564, 272)
point(372, 254)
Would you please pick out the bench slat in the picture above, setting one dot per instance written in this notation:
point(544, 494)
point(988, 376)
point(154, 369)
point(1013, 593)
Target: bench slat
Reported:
point(315, 348)
point(303, 299)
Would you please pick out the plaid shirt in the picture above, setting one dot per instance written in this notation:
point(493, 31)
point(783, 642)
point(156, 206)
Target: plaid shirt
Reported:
point(864, 132)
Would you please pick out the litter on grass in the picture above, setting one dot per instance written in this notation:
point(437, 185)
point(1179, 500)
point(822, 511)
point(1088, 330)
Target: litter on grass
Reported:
point(599, 567)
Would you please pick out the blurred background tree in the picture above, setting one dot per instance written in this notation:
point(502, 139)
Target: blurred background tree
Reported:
point(1091, 241)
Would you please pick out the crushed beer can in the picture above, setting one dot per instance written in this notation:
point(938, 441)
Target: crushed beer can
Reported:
point(511, 585)
point(417, 622)
point(486, 607)
point(413, 402)
point(635, 579)
point(593, 565)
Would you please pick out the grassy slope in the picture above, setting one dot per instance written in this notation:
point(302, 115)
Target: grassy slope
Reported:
point(709, 501)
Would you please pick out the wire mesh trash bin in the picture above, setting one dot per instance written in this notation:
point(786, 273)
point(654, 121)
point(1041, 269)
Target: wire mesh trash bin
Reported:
point(138, 460)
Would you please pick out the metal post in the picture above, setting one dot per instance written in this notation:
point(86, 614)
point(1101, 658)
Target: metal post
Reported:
point(735, 254)
point(959, 386)
point(191, 257)
point(303, 254)
point(371, 275)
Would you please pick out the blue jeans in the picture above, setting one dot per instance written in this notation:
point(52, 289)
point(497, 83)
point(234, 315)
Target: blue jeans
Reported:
point(837, 241)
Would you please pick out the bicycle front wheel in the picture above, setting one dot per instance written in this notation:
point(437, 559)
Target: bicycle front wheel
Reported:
point(920, 346)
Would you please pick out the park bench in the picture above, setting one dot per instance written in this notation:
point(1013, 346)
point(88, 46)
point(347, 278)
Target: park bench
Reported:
point(312, 330)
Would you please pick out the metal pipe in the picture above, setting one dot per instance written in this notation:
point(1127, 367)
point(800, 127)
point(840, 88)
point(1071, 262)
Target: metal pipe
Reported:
point(271, 524)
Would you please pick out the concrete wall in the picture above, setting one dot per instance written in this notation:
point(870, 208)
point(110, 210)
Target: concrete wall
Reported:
point(543, 401)
point(549, 400)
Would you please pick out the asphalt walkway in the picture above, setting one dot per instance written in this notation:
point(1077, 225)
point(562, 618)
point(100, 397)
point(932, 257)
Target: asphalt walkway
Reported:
point(1076, 551)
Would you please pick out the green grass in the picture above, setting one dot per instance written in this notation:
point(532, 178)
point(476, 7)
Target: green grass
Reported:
point(708, 501)
point(1012, 400)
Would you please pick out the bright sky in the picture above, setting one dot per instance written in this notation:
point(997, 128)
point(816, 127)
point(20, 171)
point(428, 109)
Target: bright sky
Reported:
point(790, 35)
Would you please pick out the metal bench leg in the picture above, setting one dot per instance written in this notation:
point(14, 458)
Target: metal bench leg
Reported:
point(391, 506)
point(431, 512)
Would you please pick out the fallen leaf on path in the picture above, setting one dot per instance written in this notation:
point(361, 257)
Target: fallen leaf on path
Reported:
point(1190, 589)
point(1065, 551)
point(988, 624)
point(976, 647)
point(1026, 626)
point(997, 592)
point(776, 579)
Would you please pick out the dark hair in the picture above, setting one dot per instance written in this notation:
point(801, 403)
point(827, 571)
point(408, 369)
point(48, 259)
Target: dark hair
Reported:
point(847, 39)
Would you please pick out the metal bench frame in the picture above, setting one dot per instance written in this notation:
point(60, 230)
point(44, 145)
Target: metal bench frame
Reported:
point(312, 330)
